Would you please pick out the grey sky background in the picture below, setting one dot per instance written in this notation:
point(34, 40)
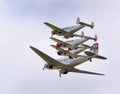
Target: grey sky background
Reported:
point(22, 25)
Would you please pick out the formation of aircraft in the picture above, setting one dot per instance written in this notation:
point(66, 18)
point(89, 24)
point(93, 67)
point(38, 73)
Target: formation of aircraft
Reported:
point(72, 44)
point(71, 50)
point(71, 53)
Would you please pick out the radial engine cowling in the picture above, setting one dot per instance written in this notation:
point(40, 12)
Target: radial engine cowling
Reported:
point(47, 66)
point(59, 53)
point(63, 71)
point(66, 36)
point(69, 49)
point(58, 45)
point(53, 32)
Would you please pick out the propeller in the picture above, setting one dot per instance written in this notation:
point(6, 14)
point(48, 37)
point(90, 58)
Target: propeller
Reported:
point(44, 66)
point(60, 73)
point(90, 60)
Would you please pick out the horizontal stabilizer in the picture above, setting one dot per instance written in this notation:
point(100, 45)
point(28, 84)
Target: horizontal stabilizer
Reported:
point(86, 37)
point(59, 49)
point(89, 25)
point(100, 57)
point(54, 47)
point(89, 53)
point(86, 45)
point(93, 54)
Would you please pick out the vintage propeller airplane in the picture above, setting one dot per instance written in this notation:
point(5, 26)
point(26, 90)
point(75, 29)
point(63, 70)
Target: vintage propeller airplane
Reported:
point(66, 65)
point(68, 32)
point(71, 53)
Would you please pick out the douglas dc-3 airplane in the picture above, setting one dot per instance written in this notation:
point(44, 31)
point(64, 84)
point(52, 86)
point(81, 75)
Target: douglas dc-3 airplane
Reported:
point(72, 53)
point(72, 44)
point(68, 32)
point(66, 65)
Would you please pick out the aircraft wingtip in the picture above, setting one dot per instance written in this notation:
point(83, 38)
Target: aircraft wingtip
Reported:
point(31, 47)
point(105, 58)
point(45, 23)
point(102, 74)
point(50, 37)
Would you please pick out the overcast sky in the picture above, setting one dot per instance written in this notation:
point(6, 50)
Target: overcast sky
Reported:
point(22, 25)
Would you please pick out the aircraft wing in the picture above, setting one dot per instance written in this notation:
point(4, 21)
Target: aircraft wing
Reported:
point(59, 65)
point(59, 41)
point(49, 59)
point(60, 49)
point(83, 71)
point(75, 30)
point(56, 28)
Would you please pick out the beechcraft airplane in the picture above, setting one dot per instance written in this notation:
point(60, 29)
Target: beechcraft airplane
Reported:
point(68, 32)
point(72, 53)
point(66, 65)
point(74, 43)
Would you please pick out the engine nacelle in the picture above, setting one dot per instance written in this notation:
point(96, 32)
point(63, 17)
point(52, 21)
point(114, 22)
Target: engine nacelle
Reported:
point(58, 45)
point(63, 45)
point(69, 49)
point(59, 53)
point(47, 66)
point(66, 36)
point(50, 67)
point(59, 33)
point(53, 32)
point(63, 71)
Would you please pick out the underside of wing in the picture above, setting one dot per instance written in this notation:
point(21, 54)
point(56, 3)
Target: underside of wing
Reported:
point(59, 49)
point(56, 40)
point(59, 41)
point(85, 72)
point(56, 28)
point(48, 59)
point(75, 30)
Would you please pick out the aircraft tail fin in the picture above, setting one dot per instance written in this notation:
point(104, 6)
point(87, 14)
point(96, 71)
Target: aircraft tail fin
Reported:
point(94, 51)
point(78, 20)
point(87, 46)
point(89, 25)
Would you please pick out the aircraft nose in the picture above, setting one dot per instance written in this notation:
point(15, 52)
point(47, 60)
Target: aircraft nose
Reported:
point(58, 45)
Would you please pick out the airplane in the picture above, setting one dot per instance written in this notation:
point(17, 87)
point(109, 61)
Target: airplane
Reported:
point(74, 43)
point(66, 65)
point(72, 53)
point(68, 32)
